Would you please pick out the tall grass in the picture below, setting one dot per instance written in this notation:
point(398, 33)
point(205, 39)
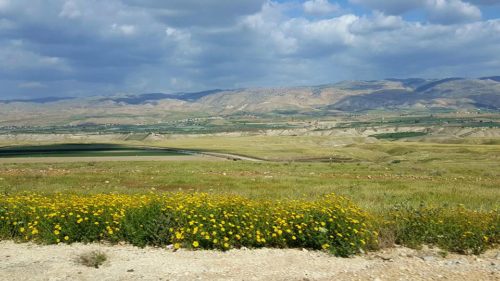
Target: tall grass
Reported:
point(374, 187)
point(456, 229)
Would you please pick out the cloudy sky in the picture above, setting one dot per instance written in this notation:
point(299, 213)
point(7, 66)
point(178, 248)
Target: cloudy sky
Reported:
point(95, 47)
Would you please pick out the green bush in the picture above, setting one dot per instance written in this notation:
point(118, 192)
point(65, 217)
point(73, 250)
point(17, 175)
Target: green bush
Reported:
point(454, 229)
point(203, 221)
point(185, 220)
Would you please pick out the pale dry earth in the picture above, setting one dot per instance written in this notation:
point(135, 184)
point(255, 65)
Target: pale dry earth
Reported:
point(28, 261)
point(325, 129)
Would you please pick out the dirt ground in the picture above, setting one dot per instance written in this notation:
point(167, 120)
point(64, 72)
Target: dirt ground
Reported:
point(61, 262)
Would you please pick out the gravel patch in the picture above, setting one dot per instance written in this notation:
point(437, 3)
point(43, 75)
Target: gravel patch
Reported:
point(28, 261)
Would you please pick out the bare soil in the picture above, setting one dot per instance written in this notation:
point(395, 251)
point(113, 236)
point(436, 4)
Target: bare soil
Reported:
point(28, 261)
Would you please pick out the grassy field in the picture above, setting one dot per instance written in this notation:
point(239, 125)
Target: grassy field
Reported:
point(414, 193)
point(401, 174)
point(326, 148)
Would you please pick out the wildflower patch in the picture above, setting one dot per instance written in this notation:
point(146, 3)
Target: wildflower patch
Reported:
point(197, 221)
point(202, 221)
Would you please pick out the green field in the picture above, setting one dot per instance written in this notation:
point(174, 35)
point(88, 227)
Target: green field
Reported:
point(413, 193)
point(83, 150)
point(382, 176)
point(293, 148)
point(399, 135)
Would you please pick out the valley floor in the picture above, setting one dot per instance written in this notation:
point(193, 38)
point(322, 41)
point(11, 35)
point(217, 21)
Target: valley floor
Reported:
point(60, 262)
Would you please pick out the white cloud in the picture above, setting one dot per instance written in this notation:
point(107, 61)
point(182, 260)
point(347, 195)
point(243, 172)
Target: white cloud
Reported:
point(378, 46)
point(271, 25)
point(128, 29)
point(452, 11)
point(378, 22)
point(390, 6)
point(124, 29)
point(177, 34)
point(4, 4)
point(70, 10)
point(185, 49)
point(320, 7)
point(334, 31)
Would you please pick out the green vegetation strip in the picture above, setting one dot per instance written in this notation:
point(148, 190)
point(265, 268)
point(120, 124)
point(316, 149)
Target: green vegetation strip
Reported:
point(187, 220)
point(398, 135)
point(83, 150)
point(472, 180)
point(455, 229)
point(198, 220)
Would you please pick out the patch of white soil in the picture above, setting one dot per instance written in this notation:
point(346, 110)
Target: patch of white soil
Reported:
point(60, 262)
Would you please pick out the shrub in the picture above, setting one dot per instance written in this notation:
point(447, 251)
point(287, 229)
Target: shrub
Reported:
point(195, 220)
point(93, 259)
point(454, 228)
point(202, 221)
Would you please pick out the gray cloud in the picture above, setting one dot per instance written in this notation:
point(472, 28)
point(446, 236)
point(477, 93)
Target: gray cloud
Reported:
point(88, 47)
point(202, 13)
point(484, 2)
point(320, 7)
point(438, 11)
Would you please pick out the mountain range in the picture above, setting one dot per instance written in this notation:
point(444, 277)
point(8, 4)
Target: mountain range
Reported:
point(346, 96)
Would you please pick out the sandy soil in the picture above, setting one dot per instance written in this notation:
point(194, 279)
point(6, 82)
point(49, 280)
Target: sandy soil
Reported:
point(60, 262)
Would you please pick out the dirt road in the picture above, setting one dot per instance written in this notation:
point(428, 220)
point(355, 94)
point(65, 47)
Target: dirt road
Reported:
point(60, 262)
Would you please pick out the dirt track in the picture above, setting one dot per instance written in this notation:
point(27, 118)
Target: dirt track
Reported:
point(59, 262)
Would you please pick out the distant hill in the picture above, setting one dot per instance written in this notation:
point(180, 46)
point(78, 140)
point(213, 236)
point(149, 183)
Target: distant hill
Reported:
point(148, 98)
point(451, 93)
point(346, 96)
point(38, 100)
point(433, 84)
point(494, 78)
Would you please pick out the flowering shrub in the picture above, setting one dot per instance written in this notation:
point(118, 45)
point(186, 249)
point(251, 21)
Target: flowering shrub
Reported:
point(185, 220)
point(199, 220)
point(455, 229)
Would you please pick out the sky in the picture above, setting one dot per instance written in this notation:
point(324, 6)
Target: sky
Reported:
point(95, 47)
